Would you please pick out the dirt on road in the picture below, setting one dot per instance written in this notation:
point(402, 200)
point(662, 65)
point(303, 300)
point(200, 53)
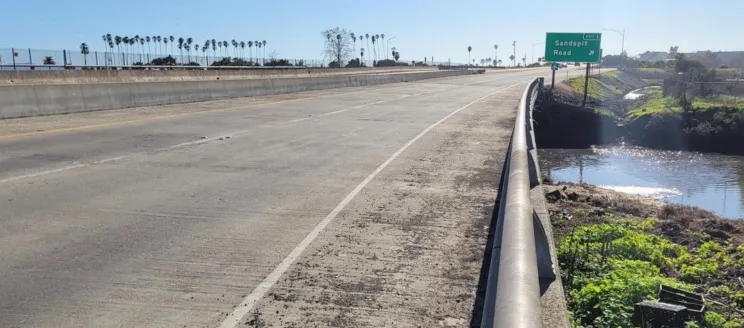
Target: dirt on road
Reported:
point(410, 253)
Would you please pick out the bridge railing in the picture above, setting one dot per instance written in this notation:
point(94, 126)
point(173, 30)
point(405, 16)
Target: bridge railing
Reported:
point(520, 258)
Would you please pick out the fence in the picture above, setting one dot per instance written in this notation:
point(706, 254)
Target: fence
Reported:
point(32, 59)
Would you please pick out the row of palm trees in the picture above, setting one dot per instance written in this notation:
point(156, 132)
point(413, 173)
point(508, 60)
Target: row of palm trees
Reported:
point(136, 45)
point(495, 61)
point(377, 49)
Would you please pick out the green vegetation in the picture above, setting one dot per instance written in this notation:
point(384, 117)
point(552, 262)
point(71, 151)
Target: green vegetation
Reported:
point(611, 266)
point(600, 87)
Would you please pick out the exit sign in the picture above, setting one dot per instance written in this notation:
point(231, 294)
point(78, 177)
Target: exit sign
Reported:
point(573, 47)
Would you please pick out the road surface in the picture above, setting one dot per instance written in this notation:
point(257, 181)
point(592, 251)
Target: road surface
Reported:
point(349, 207)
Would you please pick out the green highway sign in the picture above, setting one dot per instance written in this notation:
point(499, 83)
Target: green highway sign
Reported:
point(573, 47)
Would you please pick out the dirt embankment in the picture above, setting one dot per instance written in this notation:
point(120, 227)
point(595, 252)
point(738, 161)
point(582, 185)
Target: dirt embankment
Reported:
point(709, 121)
point(563, 123)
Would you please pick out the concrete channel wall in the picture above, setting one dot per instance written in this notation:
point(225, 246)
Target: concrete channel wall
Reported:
point(35, 100)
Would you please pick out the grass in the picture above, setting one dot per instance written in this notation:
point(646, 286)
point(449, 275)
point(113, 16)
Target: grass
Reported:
point(598, 89)
point(656, 103)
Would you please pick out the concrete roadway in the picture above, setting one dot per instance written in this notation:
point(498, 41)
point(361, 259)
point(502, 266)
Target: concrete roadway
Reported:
point(149, 224)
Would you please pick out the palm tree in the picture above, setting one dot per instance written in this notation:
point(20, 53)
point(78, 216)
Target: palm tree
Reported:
point(196, 48)
point(242, 49)
point(103, 37)
point(498, 61)
point(263, 45)
point(374, 49)
point(137, 41)
point(166, 41)
point(189, 42)
point(147, 39)
point(48, 60)
point(362, 53)
point(226, 45)
point(235, 47)
point(383, 45)
point(85, 51)
point(250, 49)
point(496, 52)
point(377, 50)
point(131, 48)
point(511, 57)
point(469, 50)
point(172, 42)
point(118, 40)
point(219, 45)
point(160, 45)
point(366, 35)
point(258, 50)
point(142, 46)
point(180, 47)
point(125, 41)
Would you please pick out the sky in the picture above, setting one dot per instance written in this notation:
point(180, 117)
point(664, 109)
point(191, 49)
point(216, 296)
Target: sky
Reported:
point(418, 29)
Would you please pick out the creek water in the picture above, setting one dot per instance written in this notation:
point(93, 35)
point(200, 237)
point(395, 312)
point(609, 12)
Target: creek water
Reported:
point(710, 181)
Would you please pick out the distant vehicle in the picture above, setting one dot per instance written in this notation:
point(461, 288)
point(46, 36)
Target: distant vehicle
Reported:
point(564, 65)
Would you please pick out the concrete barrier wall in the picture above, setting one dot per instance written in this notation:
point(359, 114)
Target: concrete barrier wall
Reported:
point(125, 76)
point(34, 100)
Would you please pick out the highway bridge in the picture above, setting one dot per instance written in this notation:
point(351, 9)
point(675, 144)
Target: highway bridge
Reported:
point(351, 207)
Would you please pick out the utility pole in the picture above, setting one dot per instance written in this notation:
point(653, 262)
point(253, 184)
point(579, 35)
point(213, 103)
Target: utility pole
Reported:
point(514, 54)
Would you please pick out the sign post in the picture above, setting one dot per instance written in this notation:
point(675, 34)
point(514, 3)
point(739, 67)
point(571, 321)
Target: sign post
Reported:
point(554, 67)
point(574, 47)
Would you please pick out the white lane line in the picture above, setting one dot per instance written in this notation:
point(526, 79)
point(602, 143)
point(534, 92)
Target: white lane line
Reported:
point(236, 133)
point(38, 174)
point(250, 301)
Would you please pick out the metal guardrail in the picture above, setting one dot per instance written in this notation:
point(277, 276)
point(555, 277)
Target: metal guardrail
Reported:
point(520, 258)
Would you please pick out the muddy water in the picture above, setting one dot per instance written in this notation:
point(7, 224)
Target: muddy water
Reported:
point(709, 181)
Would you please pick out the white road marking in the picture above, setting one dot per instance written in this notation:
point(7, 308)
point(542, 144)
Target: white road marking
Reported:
point(232, 134)
point(38, 174)
point(250, 301)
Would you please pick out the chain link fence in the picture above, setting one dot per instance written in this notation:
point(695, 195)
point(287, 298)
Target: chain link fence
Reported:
point(38, 59)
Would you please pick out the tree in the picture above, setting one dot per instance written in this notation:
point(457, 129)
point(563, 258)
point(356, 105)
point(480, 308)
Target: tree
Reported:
point(180, 47)
point(367, 36)
point(48, 60)
point(498, 62)
point(469, 50)
point(214, 47)
point(242, 49)
point(338, 47)
point(362, 54)
point(235, 47)
point(85, 51)
point(495, 53)
point(384, 50)
point(250, 49)
point(147, 39)
point(165, 45)
point(511, 57)
point(189, 41)
point(374, 48)
point(263, 45)
point(172, 41)
point(160, 45)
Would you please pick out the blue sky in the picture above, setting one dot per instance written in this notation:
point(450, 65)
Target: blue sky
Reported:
point(443, 29)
